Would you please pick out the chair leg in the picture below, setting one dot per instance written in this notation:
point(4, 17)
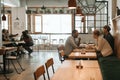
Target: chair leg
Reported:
point(48, 75)
point(15, 67)
point(8, 64)
point(44, 76)
point(20, 65)
point(53, 69)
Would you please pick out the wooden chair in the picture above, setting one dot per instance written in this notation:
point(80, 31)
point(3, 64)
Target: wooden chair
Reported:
point(61, 53)
point(14, 58)
point(40, 71)
point(48, 64)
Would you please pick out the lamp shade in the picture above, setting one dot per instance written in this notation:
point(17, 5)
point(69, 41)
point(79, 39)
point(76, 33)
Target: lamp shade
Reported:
point(78, 11)
point(72, 4)
point(17, 18)
point(4, 17)
point(83, 19)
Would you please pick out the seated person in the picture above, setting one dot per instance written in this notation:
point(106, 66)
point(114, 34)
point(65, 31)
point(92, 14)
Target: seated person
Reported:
point(70, 43)
point(108, 36)
point(103, 48)
point(28, 41)
point(8, 37)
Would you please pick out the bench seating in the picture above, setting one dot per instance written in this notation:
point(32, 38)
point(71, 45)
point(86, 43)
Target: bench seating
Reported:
point(110, 67)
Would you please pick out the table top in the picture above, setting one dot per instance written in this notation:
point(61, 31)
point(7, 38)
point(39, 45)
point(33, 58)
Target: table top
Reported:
point(9, 42)
point(87, 50)
point(78, 54)
point(68, 71)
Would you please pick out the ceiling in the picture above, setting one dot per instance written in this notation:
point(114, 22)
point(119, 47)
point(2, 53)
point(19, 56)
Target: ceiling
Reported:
point(87, 6)
point(92, 6)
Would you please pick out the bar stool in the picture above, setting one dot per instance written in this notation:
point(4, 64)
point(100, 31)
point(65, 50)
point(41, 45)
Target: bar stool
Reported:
point(54, 43)
point(61, 41)
point(36, 43)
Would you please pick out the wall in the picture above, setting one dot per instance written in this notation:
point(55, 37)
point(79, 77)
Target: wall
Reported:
point(116, 23)
point(18, 25)
point(118, 3)
point(0, 27)
point(48, 3)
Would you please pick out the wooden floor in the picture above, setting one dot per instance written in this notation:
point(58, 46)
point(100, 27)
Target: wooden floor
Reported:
point(31, 63)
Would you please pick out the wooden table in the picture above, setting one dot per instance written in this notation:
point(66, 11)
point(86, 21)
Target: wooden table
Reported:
point(3, 52)
point(68, 71)
point(78, 54)
point(10, 42)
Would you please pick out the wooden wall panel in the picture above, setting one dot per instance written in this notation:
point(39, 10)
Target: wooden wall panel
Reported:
point(116, 25)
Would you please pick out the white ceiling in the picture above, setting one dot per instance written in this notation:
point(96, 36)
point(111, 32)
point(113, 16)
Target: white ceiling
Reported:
point(47, 3)
point(35, 3)
point(11, 3)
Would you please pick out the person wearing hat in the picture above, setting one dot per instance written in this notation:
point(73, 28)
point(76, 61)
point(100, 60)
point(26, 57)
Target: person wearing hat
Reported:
point(107, 35)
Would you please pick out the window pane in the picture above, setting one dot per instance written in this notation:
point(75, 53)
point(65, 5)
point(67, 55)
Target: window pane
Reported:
point(37, 23)
point(57, 23)
point(79, 24)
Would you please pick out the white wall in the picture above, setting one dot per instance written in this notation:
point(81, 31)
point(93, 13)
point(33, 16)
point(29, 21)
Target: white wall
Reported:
point(0, 27)
point(47, 3)
point(118, 3)
point(18, 25)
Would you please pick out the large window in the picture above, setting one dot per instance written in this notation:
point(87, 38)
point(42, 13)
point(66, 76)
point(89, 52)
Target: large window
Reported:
point(53, 23)
point(38, 24)
point(78, 24)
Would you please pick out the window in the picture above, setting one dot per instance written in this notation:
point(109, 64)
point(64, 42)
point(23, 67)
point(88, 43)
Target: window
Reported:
point(53, 23)
point(78, 24)
point(38, 24)
point(90, 23)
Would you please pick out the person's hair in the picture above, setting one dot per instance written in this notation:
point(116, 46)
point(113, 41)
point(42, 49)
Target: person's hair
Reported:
point(107, 27)
point(74, 31)
point(96, 32)
point(26, 31)
point(3, 30)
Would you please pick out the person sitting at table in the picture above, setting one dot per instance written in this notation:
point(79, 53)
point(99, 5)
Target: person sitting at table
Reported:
point(70, 43)
point(28, 41)
point(103, 48)
point(107, 35)
point(8, 37)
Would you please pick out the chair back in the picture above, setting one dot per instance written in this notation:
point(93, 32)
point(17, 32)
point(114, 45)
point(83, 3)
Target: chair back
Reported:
point(48, 64)
point(40, 71)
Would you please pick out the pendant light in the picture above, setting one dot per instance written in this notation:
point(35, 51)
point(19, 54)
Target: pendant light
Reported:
point(78, 11)
point(83, 19)
point(3, 17)
point(72, 4)
point(43, 7)
point(17, 14)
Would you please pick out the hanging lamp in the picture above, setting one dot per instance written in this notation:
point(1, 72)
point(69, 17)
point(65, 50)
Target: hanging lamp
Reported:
point(72, 4)
point(83, 19)
point(17, 15)
point(78, 11)
point(3, 17)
